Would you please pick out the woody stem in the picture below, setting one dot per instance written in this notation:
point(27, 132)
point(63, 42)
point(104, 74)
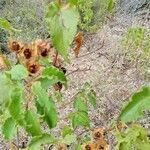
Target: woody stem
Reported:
point(55, 59)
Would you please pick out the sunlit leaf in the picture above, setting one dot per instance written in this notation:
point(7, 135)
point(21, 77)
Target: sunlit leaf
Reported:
point(69, 139)
point(66, 130)
point(15, 106)
point(32, 123)
point(110, 5)
point(9, 129)
point(73, 1)
point(18, 72)
point(51, 114)
point(61, 28)
point(4, 24)
point(6, 88)
point(80, 119)
point(138, 103)
point(79, 104)
point(41, 94)
point(46, 105)
point(38, 141)
point(54, 74)
point(134, 136)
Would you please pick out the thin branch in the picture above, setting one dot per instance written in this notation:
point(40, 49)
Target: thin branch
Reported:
point(17, 138)
point(55, 59)
point(79, 70)
point(103, 43)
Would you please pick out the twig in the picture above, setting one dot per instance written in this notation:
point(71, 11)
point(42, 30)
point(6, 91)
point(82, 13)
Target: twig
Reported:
point(17, 138)
point(55, 60)
point(74, 71)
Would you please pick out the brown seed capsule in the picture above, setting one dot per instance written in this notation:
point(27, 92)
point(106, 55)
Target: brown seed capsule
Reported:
point(27, 53)
point(14, 46)
point(88, 146)
point(98, 133)
point(43, 47)
point(61, 147)
point(44, 52)
point(101, 145)
point(33, 66)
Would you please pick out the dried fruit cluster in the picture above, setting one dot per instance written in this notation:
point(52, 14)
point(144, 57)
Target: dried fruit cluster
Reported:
point(29, 53)
point(98, 142)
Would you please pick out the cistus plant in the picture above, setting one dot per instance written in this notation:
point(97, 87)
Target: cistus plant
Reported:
point(31, 90)
point(32, 84)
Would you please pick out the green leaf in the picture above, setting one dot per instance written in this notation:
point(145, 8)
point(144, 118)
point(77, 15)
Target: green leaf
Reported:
point(15, 106)
point(40, 110)
point(110, 5)
point(61, 28)
point(40, 93)
point(46, 105)
point(80, 118)
point(46, 83)
point(92, 98)
point(18, 72)
point(4, 24)
point(52, 9)
point(69, 139)
point(51, 114)
point(7, 87)
point(9, 129)
point(74, 2)
point(78, 147)
point(79, 104)
point(32, 123)
point(38, 141)
point(54, 74)
point(66, 130)
point(139, 102)
point(134, 136)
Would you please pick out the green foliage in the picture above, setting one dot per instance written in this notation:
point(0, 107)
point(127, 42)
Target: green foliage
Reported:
point(134, 137)
point(136, 45)
point(9, 129)
point(7, 85)
point(110, 5)
point(69, 139)
point(18, 72)
point(32, 123)
point(81, 99)
point(80, 118)
point(54, 75)
point(138, 103)
point(38, 141)
point(45, 104)
point(86, 13)
point(61, 28)
point(66, 130)
point(5, 24)
point(15, 106)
